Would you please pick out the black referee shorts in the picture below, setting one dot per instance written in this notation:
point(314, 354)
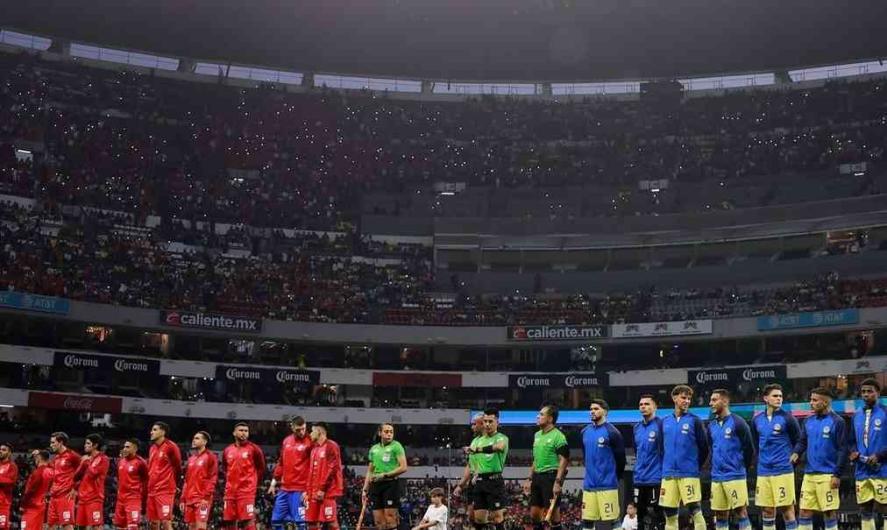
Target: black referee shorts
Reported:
point(540, 489)
point(489, 492)
point(385, 494)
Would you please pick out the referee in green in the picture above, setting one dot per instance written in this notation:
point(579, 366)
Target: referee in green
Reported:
point(551, 455)
point(489, 490)
point(388, 460)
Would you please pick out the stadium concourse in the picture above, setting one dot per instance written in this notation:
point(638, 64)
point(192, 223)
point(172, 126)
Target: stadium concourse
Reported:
point(188, 260)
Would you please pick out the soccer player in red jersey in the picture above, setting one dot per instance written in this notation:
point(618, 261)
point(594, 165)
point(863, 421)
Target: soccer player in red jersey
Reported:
point(90, 480)
point(8, 478)
point(201, 476)
point(33, 501)
point(244, 467)
point(61, 493)
point(132, 486)
point(325, 482)
point(164, 469)
point(291, 472)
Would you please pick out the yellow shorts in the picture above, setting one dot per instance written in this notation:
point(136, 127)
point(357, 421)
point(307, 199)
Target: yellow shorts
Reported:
point(675, 491)
point(871, 489)
point(600, 505)
point(729, 495)
point(775, 491)
point(817, 493)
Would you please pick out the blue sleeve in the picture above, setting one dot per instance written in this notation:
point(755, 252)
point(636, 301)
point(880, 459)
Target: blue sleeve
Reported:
point(841, 441)
point(617, 444)
point(851, 435)
point(801, 446)
point(661, 443)
point(753, 432)
point(701, 442)
point(745, 438)
point(795, 433)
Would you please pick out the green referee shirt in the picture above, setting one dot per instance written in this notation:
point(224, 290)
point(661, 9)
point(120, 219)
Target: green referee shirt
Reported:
point(489, 462)
point(545, 449)
point(473, 459)
point(384, 457)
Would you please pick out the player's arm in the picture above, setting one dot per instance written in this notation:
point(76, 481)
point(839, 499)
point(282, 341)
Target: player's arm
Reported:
point(99, 470)
point(617, 444)
point(259, 463)
point(466, 478)
point(753, 432)
point(175, 460)
point(529, 482)
point(563, 460)
point(660, 439)
point(332, 457)
point(277, 473)
point(212, 477)
point(747, 442)
point(841, 445)
point(852, 445)
point(801, 446)
point(702, 443)
point(402, 465)
point(367, 479)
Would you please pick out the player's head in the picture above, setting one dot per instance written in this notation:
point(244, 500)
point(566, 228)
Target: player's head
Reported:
point(681, 396)
point(386, 433)
point(821, 399)
point(318, 431)
point(477, 424)
point(241, 432)
point(437, 496)
point(547, 416)
point(58, 442)
point(631, 509)
point(598, 410)
point(130, 448)
point(773, 395)
point(720, 400)
point(299, 427)
point(5, 451)
point(491, 420)
point(93, 443)
point(159, 431)
point(647, 405)
point(200, 440)
point(40, 456)
point(870, 391)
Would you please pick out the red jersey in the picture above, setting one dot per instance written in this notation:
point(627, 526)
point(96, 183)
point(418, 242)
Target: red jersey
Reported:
point(8, 478)
point(34, 496)
point(91, 476)
point(132, 479)
point(244, 469)
point(293, 464)
point(64, 465)
point(326, 470)
point(200, 478)
point(164, 467)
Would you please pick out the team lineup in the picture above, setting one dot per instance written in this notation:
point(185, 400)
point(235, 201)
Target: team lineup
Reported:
point(66, 489)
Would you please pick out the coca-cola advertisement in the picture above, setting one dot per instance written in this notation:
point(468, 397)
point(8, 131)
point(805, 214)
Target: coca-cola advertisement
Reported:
point(107, 364)
point(551, 380)
point(267, 376)
point(74, 402)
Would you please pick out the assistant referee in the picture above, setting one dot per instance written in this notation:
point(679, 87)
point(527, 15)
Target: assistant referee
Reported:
point(388, 461)
point(551, 455)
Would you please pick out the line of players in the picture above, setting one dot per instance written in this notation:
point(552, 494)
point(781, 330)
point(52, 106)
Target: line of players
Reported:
point(69, 489)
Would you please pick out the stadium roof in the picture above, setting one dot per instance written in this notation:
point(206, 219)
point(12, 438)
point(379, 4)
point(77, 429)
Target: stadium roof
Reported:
point(478, 39)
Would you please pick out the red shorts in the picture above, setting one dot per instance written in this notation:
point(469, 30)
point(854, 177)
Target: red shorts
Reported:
point(238, 510)
point(324, 511)
point(61, 511)
point(160, 506)
point(4, 516)
point(127, 513)
point(90, 514)
point(32, 518)
point(198, 512)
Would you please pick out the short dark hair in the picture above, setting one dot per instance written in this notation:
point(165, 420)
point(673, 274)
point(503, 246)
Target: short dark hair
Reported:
point(59, 436)
point(206, 436)
point(43, 454)
point(96, 440)
point(681, 389)
point(8, 445)
point(823, 391)
point(723, 392)
point(771, 387)
point(163, 427)
point(133, 441)
point(322, 425)
point(297, 420)
point(552, 411)
point(241, 424)
point(601, 403)
point(491, 411)
point(871, 381)
point(649, 396)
